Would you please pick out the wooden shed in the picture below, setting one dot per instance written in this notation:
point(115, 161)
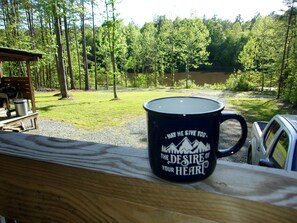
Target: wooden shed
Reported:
point(22, 85)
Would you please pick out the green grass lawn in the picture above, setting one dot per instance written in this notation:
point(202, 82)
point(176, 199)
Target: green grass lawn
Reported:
point(94, 110)
point(259, 109)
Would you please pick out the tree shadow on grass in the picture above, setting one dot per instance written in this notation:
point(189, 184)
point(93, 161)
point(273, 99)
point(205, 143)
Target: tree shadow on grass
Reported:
point(49, 107)
point(264, 111)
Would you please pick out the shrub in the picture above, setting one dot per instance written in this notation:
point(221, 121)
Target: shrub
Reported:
point(183, 84)
point(239, 82)
point(290, 90)
point(217, 86)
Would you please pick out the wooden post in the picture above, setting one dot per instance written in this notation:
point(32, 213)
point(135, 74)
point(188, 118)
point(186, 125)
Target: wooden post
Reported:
point(58, 180)
point(31, 86)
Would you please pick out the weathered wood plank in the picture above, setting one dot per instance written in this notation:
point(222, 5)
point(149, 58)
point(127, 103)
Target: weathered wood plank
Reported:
point(19, 118)
point(75, 181)
point(16, 123)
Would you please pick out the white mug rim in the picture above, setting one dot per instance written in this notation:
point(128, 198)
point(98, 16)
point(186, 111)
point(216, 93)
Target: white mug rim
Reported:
point(214, 106)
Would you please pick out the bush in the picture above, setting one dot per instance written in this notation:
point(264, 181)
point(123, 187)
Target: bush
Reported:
point(239, 82)
point(217, 86)
point(183, 84)
point(290, 90)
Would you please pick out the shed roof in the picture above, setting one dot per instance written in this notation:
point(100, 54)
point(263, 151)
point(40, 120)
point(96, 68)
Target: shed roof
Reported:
point(10, 54)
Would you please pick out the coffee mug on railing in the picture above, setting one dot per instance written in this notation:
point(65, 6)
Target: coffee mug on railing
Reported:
point(183, 136)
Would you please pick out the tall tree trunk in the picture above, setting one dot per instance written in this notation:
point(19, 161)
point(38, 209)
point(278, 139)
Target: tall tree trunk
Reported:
point(43, 43)
point(78, 55)
point(30, 20)
point(15, 16)
point(60, 65)
point(10, 22)
point(111, 40)
point(48, 33)
point(172, 77)
point(85, 58)
point(187, 75)
point(94, 43)
point(42, 28)
point(172, 66)
point(113, 52)
point(49, 75)
point(262, 81)
point(72, 85)
point(282, 76)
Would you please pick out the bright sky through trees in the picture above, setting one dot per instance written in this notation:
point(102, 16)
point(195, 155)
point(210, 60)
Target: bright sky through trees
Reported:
point(141, 11)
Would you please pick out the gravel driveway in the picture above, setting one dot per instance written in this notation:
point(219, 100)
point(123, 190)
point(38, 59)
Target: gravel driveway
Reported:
point(133, 133)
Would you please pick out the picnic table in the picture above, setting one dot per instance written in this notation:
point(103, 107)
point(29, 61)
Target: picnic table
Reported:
point(44, 179)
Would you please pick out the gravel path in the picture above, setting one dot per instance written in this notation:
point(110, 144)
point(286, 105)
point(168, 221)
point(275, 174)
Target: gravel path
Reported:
point(133, 133)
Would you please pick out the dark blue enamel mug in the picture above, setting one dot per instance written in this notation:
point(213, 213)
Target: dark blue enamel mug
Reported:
point(183, 135)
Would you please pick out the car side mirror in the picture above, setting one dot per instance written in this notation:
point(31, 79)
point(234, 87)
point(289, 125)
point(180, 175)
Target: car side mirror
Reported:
point(266, 163)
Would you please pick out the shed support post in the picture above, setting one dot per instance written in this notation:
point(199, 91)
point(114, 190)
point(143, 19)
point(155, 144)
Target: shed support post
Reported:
point(31, 86)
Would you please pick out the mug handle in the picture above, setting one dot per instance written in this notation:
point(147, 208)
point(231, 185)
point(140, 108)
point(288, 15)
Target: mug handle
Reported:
point(227, 152)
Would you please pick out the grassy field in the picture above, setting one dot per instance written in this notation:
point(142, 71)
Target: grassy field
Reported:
point(94, 110)
point(256, 109)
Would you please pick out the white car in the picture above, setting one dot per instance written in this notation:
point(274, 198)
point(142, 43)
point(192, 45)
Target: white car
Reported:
point(274, 143)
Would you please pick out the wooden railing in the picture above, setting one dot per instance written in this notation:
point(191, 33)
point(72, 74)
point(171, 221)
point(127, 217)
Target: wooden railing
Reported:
point(57, 180)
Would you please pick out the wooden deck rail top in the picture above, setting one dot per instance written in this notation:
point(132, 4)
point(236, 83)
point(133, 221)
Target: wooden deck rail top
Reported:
point(57, 180)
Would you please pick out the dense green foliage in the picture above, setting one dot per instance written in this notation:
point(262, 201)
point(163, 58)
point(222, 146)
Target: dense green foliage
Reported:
point(268, 61)
point(261, 52)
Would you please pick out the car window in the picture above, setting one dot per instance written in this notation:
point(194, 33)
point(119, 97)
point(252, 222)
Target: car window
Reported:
point(270, 134)
point(294, 165)
point(279, 154)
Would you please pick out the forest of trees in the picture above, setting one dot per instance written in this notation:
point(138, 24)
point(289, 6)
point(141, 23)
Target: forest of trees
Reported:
point(81, 52)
